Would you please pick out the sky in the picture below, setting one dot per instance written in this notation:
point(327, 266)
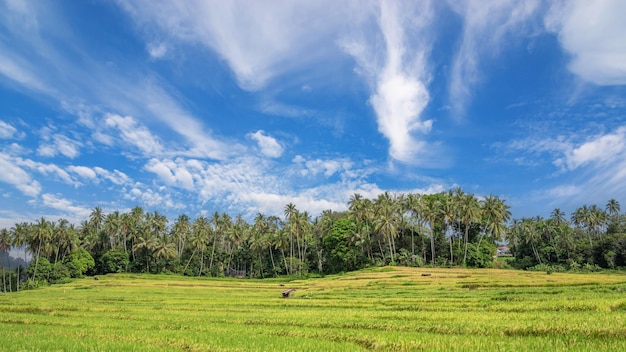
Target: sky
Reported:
point(192, 107)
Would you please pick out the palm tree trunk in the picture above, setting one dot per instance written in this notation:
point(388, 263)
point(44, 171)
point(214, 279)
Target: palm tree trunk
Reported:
point(451, 253)
point(190, 258)
point(202, 260)
point(272, 257)
point(432, 247)
point(285, 260)
point(466, 240)
point(212, 254)
point(390, 249)
point(36, 262)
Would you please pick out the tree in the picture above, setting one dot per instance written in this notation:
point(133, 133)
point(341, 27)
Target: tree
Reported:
point(79, 262)
point(495, 216)
point(181, 231)
point(290, 217)
point(469, 213)
point(386, 220)
point(5, 245)
point(612, 208)
point(41, 235)
point(432, 211)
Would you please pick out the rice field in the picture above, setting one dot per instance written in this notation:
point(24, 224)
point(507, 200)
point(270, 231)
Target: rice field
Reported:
point(381, 309)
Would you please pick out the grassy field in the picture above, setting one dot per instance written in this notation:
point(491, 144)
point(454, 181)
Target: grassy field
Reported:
point(395, 309)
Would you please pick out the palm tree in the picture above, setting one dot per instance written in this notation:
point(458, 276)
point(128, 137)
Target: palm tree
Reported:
point(41, 235)
point(469, 213)
point(96, 219)
point(386, 221)
point(431, 208)
point(5, 245)
point(164, 248)
point(112, 227)
point(448, 208)
point(612, 207)
point(495, 214)
point(180, 232)
point(201, 232)
point(18, 239)
point(558, 216)
point(134, 225)
point(290, 217)
point(147, 243)
point(583, 217)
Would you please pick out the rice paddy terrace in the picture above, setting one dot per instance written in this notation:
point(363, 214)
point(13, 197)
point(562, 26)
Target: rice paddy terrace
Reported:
point(381, 309)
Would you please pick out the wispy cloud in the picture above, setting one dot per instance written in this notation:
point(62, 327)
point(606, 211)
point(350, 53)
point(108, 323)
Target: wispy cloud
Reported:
point(399, 76)
point(269, 145)
point(18, 177)
point(591, 32)
point(6, 131)
point(134, 133)
point(487, 25)
point(600, 150)
point(259, 41)
point(583, 163)
point(66, 206)
point(54, 143)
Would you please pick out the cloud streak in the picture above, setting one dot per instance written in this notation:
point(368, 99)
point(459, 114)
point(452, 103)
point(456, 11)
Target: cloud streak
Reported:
point(399, 77)
point(487, 24)
point(591, 32)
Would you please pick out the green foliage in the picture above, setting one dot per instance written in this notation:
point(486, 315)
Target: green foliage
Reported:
point(79, 263)
point(114, 261)
point(342, 256)
point(482, 257)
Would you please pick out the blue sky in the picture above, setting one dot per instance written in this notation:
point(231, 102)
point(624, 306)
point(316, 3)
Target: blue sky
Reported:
point(240, 106)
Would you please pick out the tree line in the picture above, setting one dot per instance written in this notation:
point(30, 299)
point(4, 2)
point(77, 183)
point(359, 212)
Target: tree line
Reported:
point(450, 228)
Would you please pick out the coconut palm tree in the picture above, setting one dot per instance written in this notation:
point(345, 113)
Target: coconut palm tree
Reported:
point(201, 234)
point(290, 213)
point(431, 208)
point(181, 232)
point(386, 220)
point(5, 245)
point(469, 213)
point(612, 207)
point(558, 216)
point(164, 248)
point(40, 236)
point(495, 215)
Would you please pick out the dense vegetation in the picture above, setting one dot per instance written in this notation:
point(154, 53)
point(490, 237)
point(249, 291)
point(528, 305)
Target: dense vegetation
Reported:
point(447, 229)
point(375, 309)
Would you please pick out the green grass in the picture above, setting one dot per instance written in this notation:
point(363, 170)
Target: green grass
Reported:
point(394, 309)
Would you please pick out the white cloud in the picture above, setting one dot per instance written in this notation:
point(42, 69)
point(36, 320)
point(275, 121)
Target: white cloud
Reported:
point(16, 176)
point(83, 171)
point(134, 133)
point(284, 110)
point(487, 25)
point(6, 131)
point(157, 50)
point(592, 32)
point(269, 145)
point(327, 167)
point(140, 193)
point(259, 41)
point(53, 144)
point(399, 78)
point(116, 177)
point(608, 148)
point(172, 172)
point(65, 205)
